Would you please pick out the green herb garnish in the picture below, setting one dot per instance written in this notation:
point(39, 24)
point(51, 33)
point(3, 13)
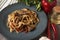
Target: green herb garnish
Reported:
point(37, 3)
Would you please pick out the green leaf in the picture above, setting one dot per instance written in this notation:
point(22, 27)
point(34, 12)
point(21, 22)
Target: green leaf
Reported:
point(27, 2)
point(37, 3)
point(38, 6)
point(50, 0)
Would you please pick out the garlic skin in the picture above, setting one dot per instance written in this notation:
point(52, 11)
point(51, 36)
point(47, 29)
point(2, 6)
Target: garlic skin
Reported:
point(44, 38)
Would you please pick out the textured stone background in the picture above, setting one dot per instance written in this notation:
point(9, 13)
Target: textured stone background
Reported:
point(58, 26)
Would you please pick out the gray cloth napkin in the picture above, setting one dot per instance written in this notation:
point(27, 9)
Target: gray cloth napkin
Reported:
point(2, 37)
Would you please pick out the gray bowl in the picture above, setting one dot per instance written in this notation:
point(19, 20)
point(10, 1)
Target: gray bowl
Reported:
point(41, 26)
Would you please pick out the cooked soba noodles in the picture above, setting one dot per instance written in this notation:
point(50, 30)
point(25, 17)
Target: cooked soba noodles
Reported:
point(23, 20)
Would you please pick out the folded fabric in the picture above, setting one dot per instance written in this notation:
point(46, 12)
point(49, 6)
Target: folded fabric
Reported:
point(5, 3)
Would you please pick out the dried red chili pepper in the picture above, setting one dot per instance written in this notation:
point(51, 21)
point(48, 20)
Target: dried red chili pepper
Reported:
point(47, 5)
point(49, 35)
point(55, 31)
